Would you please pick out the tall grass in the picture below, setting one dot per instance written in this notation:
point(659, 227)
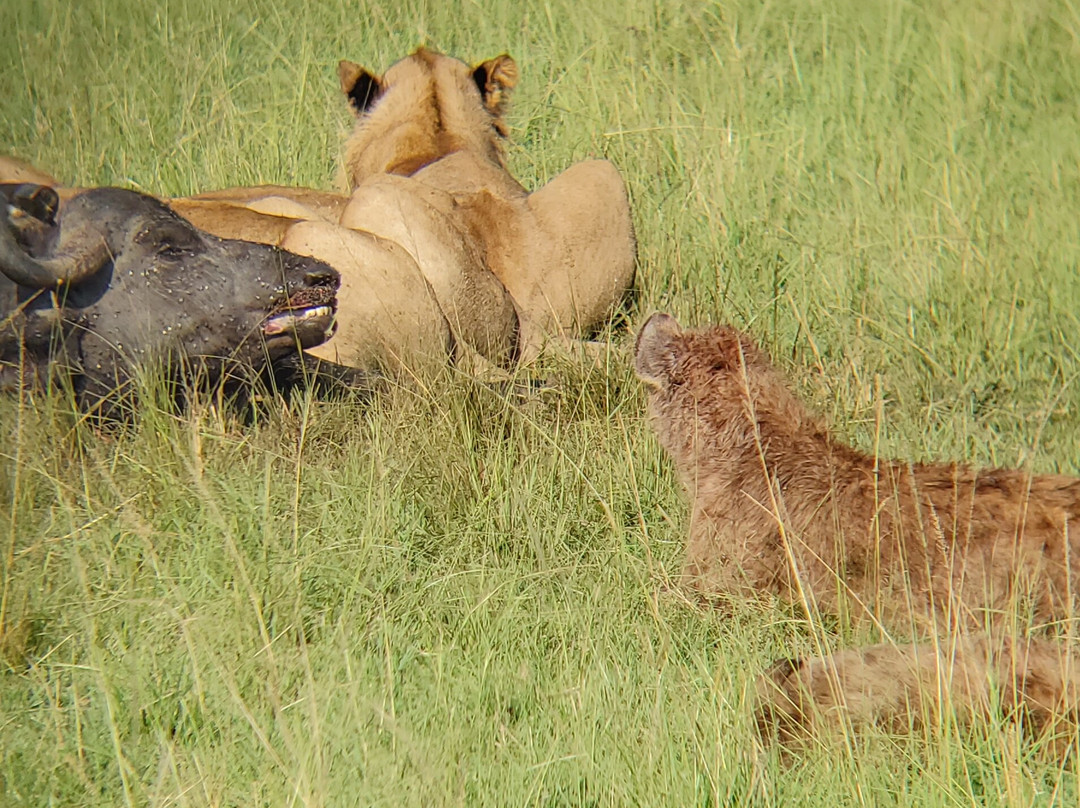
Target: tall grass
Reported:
point(455, 597)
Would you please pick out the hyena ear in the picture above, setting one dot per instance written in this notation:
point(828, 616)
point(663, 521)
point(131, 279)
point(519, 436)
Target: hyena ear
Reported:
point(359, 86)
point(495, 78)
point(781, 670)
point(657, 349)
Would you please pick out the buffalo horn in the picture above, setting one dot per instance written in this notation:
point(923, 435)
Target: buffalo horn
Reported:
point(70, 267)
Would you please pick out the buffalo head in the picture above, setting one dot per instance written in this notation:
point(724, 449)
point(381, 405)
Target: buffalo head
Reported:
point(115, 279)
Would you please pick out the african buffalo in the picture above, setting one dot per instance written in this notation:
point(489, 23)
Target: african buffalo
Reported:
point(116, 280)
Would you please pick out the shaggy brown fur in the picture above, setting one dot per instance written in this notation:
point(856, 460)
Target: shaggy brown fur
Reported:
point(781, 507)
point(901, 688)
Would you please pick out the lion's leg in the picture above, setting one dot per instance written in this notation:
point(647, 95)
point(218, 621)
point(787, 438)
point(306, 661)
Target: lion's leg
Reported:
point(14, 170)
point(281, 200)
point(388, 316)
point(583, 219)
point(478, 307)
point(225, 220)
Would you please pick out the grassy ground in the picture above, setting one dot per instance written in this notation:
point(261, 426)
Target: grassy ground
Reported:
point(451, 598)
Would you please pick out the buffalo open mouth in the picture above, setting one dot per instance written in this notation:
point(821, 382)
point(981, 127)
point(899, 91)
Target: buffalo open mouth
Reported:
point(305, 317)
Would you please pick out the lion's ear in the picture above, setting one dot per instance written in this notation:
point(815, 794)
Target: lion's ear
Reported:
point(657, 350)
point(359, 86)
point(495, 78)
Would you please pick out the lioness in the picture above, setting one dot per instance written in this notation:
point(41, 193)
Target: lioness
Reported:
point(432, 128)
point(441, 251)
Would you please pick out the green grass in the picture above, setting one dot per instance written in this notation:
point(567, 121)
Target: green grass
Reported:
point(452, 598)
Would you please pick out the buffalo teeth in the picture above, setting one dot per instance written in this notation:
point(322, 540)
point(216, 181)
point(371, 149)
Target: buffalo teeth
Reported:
point(287, 321)
point(315, 311)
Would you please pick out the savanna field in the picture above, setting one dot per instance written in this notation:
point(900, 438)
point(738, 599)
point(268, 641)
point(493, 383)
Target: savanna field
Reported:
point(456, 595)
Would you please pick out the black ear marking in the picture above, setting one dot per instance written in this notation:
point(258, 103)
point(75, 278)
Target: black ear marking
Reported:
point(480, 76)
point(364, 93)
point(360, 87)
point(495, 78)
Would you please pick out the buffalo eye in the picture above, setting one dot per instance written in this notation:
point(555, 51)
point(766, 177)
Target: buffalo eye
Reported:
point(167, 242)
point(171, 250)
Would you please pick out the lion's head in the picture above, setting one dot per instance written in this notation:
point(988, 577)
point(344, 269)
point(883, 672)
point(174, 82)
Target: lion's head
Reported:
point(424, 107)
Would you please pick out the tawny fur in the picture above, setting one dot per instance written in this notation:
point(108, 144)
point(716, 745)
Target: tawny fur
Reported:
point(436, 227)
point(779, 506)
point(15, 170)
point(432, 128)
point(425, 107)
